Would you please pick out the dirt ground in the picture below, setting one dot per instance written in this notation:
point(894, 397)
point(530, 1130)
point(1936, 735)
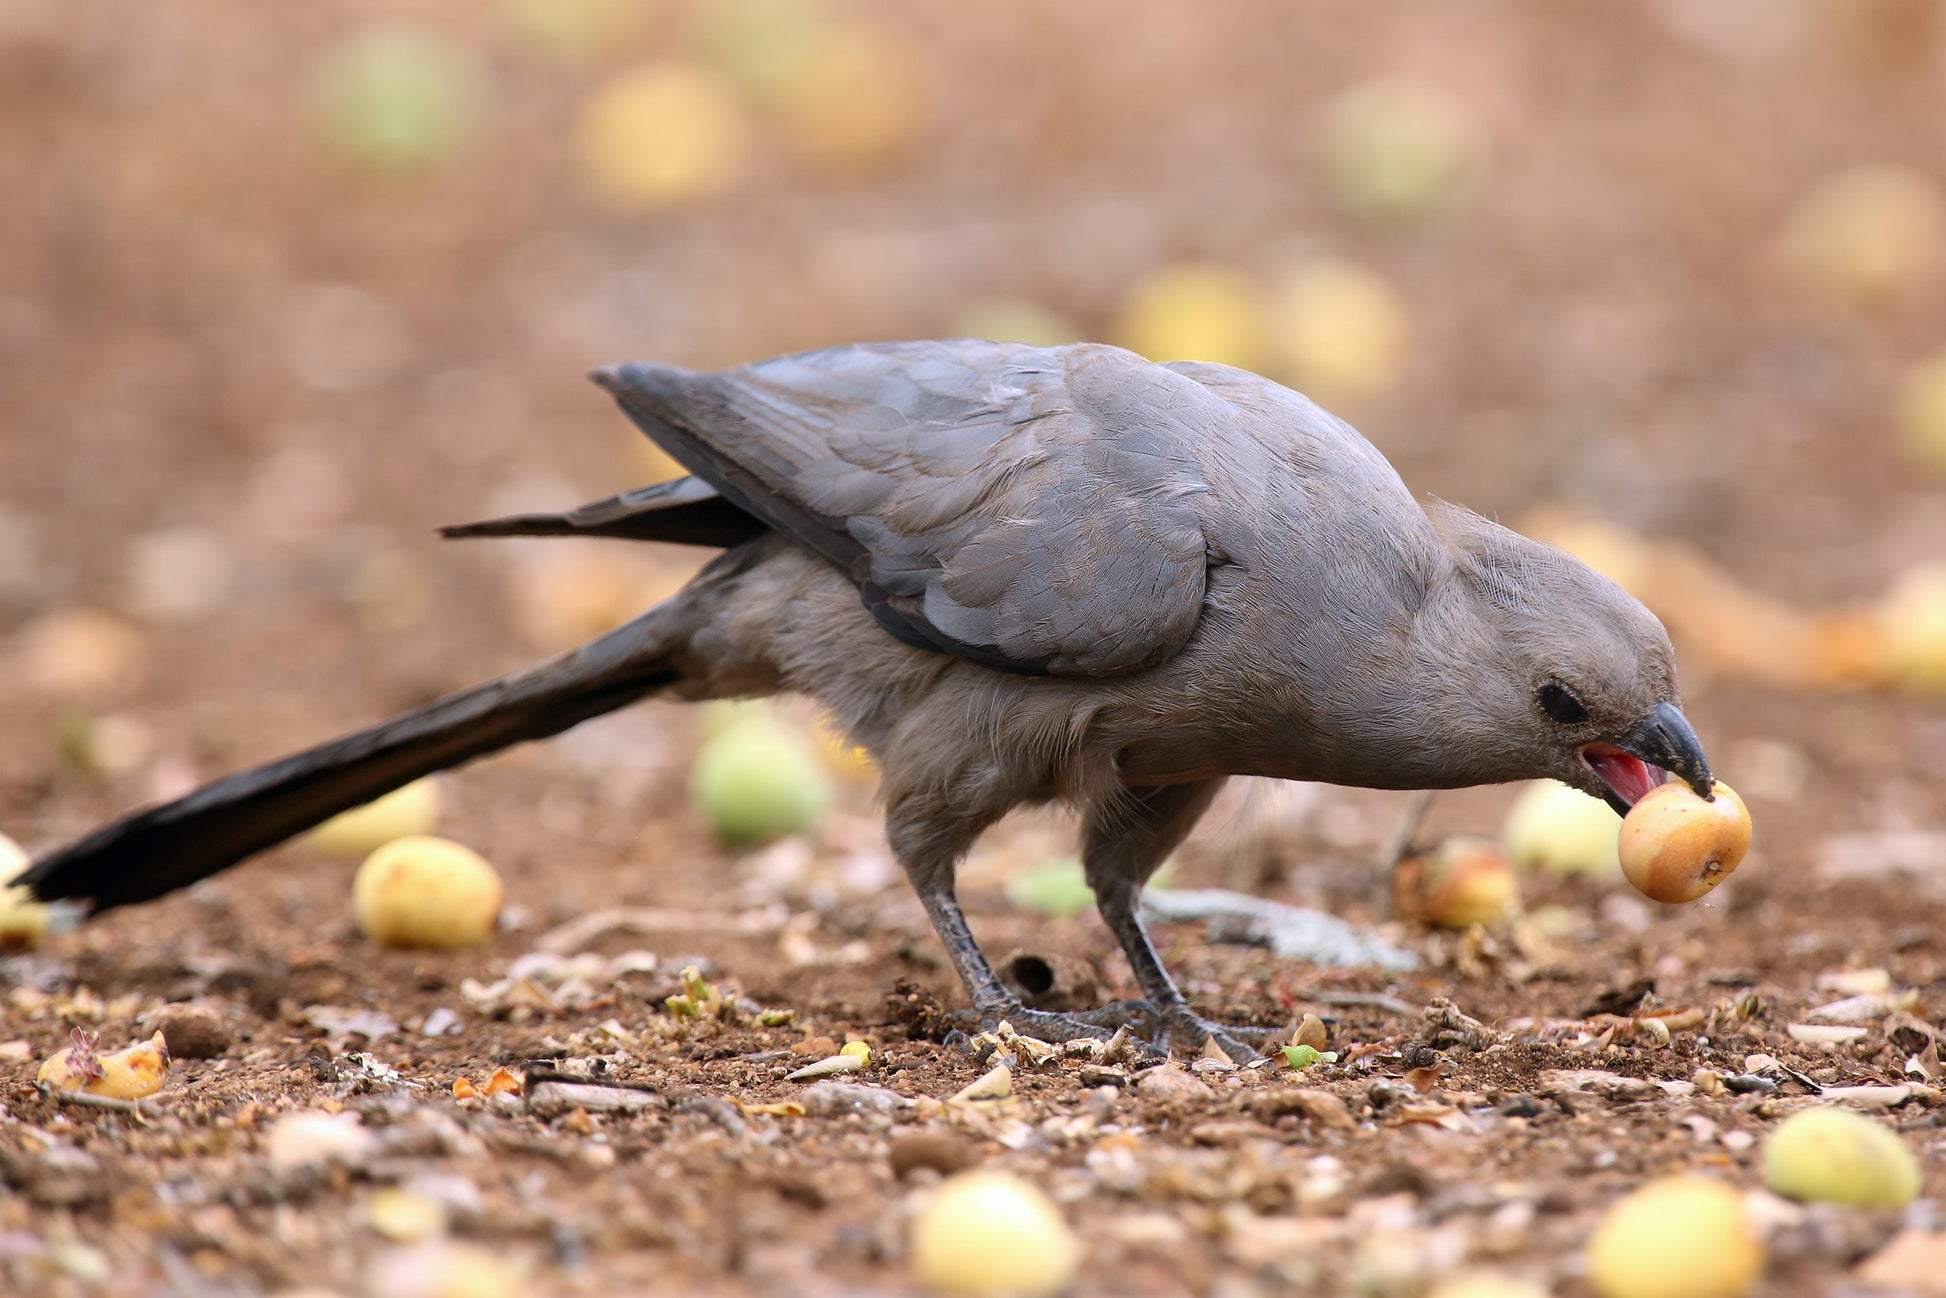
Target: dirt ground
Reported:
point(241, 381)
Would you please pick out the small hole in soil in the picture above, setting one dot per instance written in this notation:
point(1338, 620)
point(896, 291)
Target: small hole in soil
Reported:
point(1031, 974)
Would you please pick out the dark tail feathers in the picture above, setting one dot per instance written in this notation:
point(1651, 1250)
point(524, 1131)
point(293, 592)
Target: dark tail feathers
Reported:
point(687, 511)
point(174, 845)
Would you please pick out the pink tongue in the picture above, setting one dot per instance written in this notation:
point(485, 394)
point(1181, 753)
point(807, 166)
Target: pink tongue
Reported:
point(1628, 775)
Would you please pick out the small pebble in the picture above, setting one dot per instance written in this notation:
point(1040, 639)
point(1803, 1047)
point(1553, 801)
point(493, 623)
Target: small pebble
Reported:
point(1170, 1083)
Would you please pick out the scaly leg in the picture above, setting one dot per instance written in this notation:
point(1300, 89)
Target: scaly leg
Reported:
point(1123, 844)
point(929, 848)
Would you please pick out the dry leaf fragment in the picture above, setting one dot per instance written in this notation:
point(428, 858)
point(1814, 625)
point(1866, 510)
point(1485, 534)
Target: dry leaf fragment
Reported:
point(1423, 1080)
point(1310, 1033)
point(995, 1084)
point(1823, 1034)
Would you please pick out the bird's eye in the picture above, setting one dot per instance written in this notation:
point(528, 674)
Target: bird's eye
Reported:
point(1561, 705)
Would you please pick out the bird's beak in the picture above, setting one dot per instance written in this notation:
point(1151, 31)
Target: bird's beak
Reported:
point(1664, 742)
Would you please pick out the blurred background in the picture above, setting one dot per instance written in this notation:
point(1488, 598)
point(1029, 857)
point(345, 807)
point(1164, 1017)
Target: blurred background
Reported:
point(283, 287)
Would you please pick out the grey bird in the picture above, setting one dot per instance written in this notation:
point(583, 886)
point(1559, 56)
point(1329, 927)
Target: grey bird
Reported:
point(1020, 575)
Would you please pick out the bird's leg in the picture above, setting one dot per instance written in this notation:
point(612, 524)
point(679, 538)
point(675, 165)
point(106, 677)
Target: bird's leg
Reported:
point(993, 1001)
point(929, 847)
point(1123, 845)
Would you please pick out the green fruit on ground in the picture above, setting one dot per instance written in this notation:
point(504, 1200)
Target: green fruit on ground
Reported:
point(1554, 827)
point(1831, 1155)
point(1397, 149)
point(1052, 888)
point(760, 779)
point(397, 96)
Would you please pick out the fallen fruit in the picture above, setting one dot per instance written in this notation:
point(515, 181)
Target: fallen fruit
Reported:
point(1832, 1155)
point(128, 1074)
point(1058, 887)
point(411, 809)
point(760, 779)
point(989, 1232)
point(396, 97)
point(1868, 235)
point(1339, 329)
point(1680, 1237)
point(1675, 845)
point(1014, 320)
point(1554, 827)
point(1460, 883)
point(1397, 149)
point(1922, 413)
point(427, 893)
point(1912, 621)
point(23, 921)
point(1194, 312)
point(404, 1217)
point(859, 100)
point(657, 137)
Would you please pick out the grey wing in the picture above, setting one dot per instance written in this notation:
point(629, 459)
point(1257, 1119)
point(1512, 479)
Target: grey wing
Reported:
point(1034, 510)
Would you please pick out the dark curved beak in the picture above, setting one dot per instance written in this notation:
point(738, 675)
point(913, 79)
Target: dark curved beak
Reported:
point(1667, 740)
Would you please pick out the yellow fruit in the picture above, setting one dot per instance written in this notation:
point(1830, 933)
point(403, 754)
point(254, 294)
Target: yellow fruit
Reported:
point(1676, 846)
point(404, 1217)
point(1830, 1155)
point(858, 101)
point(1462, 882)
point(1913, 622)
point(80, 652)
point(659, 137)
point(760, 779)
point(767, 46)
point(128, 1074)
point(409, 809)
point(1681, 1237)
point(1008, 320)
point(23, 921)
point(1554, 827)
point(1486, 1284)
point(1867, 235)
point(1397, 149)
point(572, 29)
point(1338, 329)
point(426, 893)
point(1922, 413)
point(1194, 312)
point(989, 1232)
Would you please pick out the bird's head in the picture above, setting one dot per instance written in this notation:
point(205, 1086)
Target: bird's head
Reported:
point(1582, 678)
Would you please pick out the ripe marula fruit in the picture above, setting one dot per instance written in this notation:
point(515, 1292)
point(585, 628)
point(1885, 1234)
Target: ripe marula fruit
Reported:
point(1680, 1237)
point(1676, 846)
point(426, 893)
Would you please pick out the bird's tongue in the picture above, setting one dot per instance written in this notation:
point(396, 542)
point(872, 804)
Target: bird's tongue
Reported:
point(1629, 776)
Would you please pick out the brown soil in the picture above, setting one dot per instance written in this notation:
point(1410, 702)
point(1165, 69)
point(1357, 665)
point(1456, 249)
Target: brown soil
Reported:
point(1599, 323)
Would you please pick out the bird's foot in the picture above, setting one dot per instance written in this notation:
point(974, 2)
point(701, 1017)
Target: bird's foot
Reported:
point(1185, 1031)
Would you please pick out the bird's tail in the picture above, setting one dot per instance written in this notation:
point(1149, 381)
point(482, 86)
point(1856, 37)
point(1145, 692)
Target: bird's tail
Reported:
point(173, 845)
